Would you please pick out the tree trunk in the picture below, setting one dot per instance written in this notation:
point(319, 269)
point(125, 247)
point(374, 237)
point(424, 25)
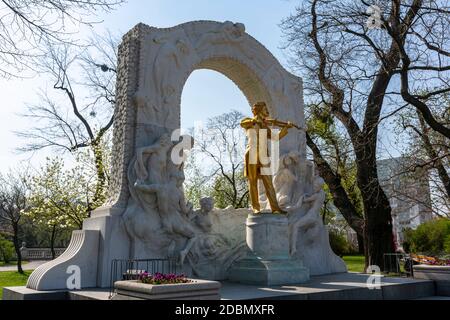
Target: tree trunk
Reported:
point(52, 242)
point(366, 249)
point(377, 208)
point(17, 247)
point(360, 239)
point(379, 235)
point(99, 195)
point(340, 197)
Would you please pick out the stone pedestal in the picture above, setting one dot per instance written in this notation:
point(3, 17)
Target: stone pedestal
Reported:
point(439, 274)
point(194, 290)
point(114, 242)
point(268, 261)
point(82, 254)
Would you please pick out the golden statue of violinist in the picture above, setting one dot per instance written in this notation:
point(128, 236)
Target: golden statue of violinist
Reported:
point(252, 169)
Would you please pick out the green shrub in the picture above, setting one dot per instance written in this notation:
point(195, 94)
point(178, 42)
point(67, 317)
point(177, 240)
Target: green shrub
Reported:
point(431, 238)
point(339, 243)
point(6, 250)
point(447, 244)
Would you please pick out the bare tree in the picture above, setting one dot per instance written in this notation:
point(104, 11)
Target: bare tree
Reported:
point(28, 26)
point(68, 122)
point(351, 53)
point(13, 202)
point(332, 155)
point(218, 149)
point(423, 42)
point(429, 150)
point(347, 71)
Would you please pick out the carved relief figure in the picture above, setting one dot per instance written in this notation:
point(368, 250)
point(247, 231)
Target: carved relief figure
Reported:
point(312, 216)
point(209, 254)
point(285, 180)
point(175, 57)
point(151, 161)
point(308, 235)
point(158, 189)
point(202, 219)
point(176, 176)
point(170, 204)
point(275, 77)
point(227, 33)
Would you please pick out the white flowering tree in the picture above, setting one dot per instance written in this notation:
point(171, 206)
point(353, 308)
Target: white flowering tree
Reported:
point(61, 198)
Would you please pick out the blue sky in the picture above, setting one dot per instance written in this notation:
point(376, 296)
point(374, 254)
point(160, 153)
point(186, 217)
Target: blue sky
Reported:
point(261, 19)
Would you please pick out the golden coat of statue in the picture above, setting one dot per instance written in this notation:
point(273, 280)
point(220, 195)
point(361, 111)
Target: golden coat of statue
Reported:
point(253, 163)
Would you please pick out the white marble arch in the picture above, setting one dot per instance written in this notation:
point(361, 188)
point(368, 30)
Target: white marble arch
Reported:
point(154, 64)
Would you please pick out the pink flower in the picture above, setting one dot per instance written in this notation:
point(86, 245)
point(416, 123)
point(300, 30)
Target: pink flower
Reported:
point(159, 278)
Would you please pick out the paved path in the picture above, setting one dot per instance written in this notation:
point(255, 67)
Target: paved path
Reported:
point(29, 266)
point(341, 286)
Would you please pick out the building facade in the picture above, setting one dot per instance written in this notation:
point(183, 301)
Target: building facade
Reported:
point(409, 195)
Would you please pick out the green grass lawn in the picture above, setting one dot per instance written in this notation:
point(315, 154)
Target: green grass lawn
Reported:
point(12, 279)
point(354, 263)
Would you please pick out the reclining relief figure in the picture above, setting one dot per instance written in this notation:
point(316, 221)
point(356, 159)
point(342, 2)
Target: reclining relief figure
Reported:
point(156, 186)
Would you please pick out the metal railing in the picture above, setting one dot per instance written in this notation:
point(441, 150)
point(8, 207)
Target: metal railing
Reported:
point(132, 269)
point(400, 264)
point(40, 253)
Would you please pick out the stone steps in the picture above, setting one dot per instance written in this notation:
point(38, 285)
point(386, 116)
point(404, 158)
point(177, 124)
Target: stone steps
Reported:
point(344, 286)
point(435, 298)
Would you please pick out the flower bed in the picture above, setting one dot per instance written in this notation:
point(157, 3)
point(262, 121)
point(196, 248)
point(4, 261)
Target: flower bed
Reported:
point(431, 261)
point(435, 269)
point(160, 278)
point(167, 287)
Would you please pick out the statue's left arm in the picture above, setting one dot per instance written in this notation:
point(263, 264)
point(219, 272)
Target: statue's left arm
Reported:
point(285, 126)
point(283, 133)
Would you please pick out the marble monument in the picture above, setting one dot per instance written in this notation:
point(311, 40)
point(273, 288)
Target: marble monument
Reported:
point(146, 215)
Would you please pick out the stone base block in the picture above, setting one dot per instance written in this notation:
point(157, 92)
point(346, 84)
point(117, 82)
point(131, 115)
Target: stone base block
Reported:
point(80, 259)
point(113, 244)
point(439, 274)
point(269, 272)
point(24, 293)
point(268, 262)
point(195, 290)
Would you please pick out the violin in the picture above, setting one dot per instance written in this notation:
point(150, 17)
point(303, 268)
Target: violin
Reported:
point(279, 123)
